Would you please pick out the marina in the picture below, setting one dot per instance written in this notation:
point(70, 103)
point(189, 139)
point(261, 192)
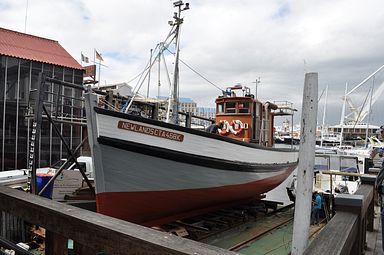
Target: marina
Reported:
point(93, 168)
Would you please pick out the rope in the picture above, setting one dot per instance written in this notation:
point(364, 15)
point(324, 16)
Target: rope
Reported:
point(196, 72)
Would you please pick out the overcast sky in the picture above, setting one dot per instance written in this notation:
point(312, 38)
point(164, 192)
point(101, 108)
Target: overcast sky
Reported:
point(226, 41)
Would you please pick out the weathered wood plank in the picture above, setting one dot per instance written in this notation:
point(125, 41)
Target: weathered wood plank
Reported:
point(337, 237)
point(367, 191)
point(346, 232)
point(98, 231)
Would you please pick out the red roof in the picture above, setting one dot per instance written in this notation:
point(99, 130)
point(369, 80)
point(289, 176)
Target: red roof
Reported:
point(30, 47)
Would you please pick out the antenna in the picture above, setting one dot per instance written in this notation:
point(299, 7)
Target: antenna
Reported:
point(26, 17)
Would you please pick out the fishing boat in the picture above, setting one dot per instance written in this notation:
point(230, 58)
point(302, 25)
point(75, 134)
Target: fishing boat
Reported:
point(150, 172)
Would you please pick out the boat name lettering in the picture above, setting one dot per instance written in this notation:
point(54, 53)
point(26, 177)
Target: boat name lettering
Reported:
point(150, 131)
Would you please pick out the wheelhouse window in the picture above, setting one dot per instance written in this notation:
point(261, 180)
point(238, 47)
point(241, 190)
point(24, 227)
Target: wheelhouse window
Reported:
point(243, 107)
point(230, 107)
point(220, 108)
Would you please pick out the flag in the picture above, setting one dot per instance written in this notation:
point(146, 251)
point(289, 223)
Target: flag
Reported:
point(98, 56)
point(84, 58)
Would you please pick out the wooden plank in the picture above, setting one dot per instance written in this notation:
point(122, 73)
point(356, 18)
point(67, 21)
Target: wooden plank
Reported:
point(346, 232)
point(337, 172)
point(338, 236)
point(367, 192)
point(101, 232)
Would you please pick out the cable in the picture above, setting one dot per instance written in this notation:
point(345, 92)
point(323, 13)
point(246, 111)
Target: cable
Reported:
point(193, 70)
point(149, 64)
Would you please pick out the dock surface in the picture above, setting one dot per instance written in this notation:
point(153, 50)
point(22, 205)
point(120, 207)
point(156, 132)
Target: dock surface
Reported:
point(374, 239)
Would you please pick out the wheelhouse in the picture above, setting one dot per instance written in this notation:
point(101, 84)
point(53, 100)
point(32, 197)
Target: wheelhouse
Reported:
point(241, 117)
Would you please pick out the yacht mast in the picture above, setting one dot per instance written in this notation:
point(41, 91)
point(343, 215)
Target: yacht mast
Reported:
point(343, 114)
point(369, 113)
point(324, 113)
point(175, 92)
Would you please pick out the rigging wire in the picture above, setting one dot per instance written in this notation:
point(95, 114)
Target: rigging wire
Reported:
point(157, 55)
point(196, 72)
point(321, 95)
point(365, 100)
point(148, 67)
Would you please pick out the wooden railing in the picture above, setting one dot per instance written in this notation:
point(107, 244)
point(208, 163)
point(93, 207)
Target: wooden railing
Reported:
point(346, 232)
point(93, 233)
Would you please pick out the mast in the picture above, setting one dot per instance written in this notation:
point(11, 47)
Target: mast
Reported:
point(158, 75)
point(175, 92)
point(369, 113)
point(324, 113)
point(149, 72)
point(343, 114)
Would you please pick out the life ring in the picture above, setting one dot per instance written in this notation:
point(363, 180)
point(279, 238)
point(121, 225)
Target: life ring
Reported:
point(236, 127)
point(225, 129)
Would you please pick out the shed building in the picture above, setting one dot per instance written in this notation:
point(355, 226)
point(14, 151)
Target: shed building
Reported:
point(22, 58)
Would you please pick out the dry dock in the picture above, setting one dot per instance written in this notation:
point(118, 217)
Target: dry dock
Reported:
point(355, 229)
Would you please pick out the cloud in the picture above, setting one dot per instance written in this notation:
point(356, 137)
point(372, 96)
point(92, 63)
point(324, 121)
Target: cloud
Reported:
point(225, 41)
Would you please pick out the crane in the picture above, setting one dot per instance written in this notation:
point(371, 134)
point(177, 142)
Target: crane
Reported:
point(358, 114)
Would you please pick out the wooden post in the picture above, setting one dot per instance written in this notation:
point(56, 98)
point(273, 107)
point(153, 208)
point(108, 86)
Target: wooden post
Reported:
point(306, 164)
point(188, 120)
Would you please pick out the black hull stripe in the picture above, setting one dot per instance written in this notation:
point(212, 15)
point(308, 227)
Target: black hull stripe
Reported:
point(198, 160)
point(184, 129)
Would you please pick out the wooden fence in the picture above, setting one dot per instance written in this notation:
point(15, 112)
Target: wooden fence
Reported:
point(94, 233)
point(345, 233)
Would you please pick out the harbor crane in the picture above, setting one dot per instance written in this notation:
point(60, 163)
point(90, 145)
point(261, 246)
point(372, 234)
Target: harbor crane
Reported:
point(358, 114)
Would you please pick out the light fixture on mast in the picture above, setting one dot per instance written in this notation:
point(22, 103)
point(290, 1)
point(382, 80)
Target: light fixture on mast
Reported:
point(257, 82)
point(175, 93)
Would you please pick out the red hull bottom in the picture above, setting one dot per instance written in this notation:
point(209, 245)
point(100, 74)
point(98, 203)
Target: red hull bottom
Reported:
point(159, 207)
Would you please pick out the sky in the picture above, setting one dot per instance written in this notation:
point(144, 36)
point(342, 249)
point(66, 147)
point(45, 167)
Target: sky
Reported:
point(227, 42)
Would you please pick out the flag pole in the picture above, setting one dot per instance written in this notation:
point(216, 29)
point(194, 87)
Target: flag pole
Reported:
point(99, 73)
point(94, 61)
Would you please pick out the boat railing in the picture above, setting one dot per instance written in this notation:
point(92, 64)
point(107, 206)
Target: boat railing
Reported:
point(190, 119)
point(146, 108)
point(284, 108)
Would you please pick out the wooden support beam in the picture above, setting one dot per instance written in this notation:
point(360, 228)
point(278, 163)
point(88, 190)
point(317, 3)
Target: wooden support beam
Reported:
point(100, 232)
point(306, 162)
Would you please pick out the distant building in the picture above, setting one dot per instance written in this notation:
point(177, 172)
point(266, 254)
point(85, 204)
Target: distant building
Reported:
point(206, 112)
point(353, 131)
point(22, 58)
point(185, 104)
point(122, 88)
